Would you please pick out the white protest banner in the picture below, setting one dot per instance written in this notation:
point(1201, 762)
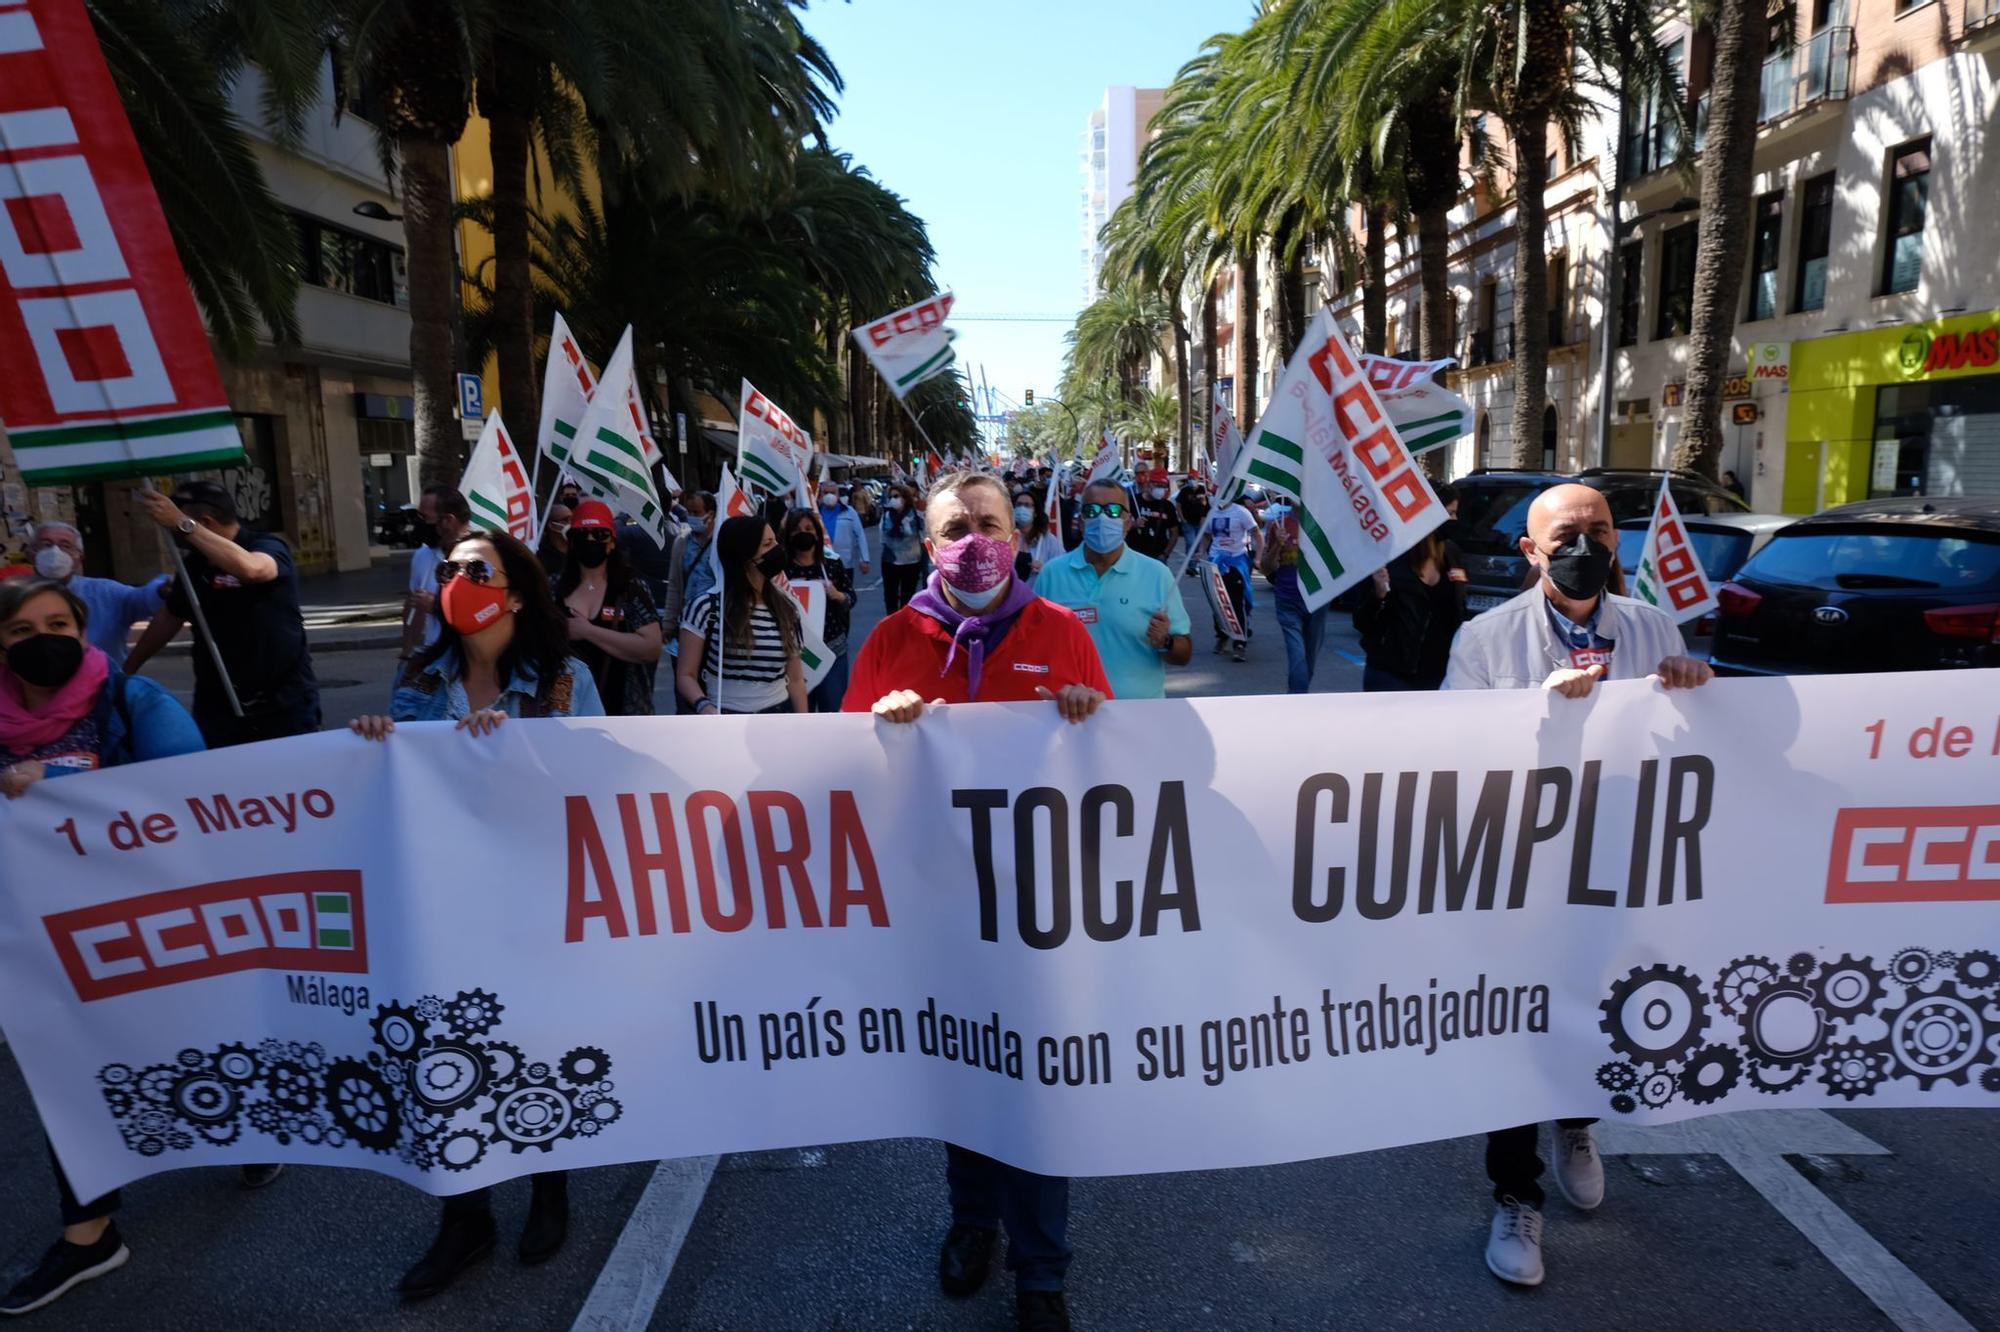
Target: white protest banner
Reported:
point(1326, 442)
point(1426, 414)
point(772, 453)
point(1670, 575)
point(1434, 914)
point(1106, 466)
point(1215, 586)
point(911, 345)
point(496, 485)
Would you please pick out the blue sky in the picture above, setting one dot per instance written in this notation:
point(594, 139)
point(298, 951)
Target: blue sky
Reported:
point(973, 111)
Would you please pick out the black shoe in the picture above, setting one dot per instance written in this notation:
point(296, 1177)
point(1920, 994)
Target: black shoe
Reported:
point(1237, 655)
point(63, 1268)
point(257, 1176)
point(548, 1220)
point(963, 1259)
point(1041, 1311)
point(460, 1242)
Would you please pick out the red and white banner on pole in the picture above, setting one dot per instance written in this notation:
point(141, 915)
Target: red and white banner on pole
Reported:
point(1670, 575)
point(107, 367)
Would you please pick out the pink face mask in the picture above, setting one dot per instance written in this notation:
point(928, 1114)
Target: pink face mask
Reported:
point(975, 567)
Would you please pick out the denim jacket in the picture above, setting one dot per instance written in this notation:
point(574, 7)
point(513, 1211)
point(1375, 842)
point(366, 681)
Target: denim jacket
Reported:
point(438, 693)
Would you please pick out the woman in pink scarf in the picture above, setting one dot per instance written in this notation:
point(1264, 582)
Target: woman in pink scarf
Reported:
point(65, 710)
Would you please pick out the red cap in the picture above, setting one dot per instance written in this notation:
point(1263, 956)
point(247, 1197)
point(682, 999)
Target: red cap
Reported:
point(592, 514)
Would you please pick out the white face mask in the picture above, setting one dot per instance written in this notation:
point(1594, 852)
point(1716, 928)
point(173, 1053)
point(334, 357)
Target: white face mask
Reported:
point(54, 562)
point(1158, 492)
point(896, 503)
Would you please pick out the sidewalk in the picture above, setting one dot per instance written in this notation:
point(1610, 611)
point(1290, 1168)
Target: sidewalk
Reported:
point(355, 610)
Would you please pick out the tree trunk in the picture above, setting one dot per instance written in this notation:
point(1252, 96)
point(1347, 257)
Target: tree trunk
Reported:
point(433, 278)
point(1184, 384)
point(1530, 135)
point(502, 97)
point(1209, 350)
point(1723, 244)
point(1434, 284)
point(1375, 288)
point(1246, 320)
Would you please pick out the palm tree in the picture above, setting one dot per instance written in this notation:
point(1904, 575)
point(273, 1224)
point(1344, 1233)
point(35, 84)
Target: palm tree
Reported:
point(172, 68)
point(1154, 419)
point(1116, 335)
point(1723, 244)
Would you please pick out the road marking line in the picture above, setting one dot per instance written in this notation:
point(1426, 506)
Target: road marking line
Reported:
point(1755, 1144)
point(629, 1288)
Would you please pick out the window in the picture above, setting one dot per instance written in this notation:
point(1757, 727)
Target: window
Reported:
point(1631, 277)
point(1559, 299)
point(1815, 243)
point(1909, 200)
point(1676, 305)
point(344, 261)
point(1767, 228)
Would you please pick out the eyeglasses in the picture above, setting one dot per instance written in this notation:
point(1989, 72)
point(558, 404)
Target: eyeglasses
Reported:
point(479, 571)
point(1105, 511)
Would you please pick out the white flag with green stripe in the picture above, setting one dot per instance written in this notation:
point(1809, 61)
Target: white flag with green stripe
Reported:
point(1327, 443)
point(567, 385)
point(1225, 446)
point(1107, 466)
point(609, 454)
point(772, 452)
point(497, 487)
point(1426, 414)
point(911, 345)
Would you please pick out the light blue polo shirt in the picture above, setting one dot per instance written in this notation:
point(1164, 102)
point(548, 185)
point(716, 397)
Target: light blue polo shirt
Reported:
point(1116, 608)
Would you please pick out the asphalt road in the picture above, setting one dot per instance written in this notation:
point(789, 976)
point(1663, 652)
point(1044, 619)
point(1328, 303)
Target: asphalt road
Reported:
point(845, 1236)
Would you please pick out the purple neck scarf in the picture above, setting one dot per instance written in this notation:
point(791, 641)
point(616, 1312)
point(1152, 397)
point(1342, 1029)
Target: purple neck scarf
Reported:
point(975, 633)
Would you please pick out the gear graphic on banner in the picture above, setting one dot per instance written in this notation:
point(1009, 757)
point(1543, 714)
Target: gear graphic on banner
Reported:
point(1844, 1024)
point(427, 1087)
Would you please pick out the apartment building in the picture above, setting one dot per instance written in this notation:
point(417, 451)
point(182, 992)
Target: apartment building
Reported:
point(1112, 137)
point(1481, 244)
point(1867, 359)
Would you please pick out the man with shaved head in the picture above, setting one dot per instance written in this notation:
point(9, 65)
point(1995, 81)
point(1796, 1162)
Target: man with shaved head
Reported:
point(1564, 634)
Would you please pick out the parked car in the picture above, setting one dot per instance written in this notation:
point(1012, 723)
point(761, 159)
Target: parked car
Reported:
point(1493, 517)
point(1906, 584)
point(1721, 541)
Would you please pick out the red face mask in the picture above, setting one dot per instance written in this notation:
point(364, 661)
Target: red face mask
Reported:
point(469, 607)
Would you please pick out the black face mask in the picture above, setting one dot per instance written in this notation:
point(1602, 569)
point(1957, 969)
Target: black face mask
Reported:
point(46, 661)
point(772, 562)
point(1581, 569)
point(804, 541)
point(589, 554)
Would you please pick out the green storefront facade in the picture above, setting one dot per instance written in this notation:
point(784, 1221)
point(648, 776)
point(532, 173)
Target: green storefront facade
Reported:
point(1907, 409)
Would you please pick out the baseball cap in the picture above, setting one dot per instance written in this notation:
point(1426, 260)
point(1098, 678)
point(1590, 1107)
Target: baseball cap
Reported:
point(592, 515)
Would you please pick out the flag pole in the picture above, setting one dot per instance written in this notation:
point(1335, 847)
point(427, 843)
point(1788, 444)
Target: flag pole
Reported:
point(201, 630)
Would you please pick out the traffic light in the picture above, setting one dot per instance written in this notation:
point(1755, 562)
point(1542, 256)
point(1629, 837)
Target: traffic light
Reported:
point(1030, 399)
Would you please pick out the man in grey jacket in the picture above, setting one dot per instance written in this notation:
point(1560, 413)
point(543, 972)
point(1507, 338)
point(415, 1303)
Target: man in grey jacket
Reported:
point(1564, 635)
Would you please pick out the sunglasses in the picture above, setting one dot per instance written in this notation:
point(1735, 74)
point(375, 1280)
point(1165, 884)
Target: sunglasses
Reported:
point(597, 534)
point(479, 571)
point(1104, 510)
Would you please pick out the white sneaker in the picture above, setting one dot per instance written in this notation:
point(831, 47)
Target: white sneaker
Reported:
point(1514, 1244)
point(1579, 1169)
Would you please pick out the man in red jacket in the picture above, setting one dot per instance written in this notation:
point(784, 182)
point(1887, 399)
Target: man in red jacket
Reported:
point(975, 633)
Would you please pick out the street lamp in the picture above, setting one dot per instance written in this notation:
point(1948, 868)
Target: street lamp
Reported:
point(375, 212)
point(1075, 426)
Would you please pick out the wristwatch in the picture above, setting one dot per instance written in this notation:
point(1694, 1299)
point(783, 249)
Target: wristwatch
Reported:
point(185, 526)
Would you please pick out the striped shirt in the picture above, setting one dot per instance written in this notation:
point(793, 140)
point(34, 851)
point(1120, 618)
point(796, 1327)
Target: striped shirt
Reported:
point(751, 681)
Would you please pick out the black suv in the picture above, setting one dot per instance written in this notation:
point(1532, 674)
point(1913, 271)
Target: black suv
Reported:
point(1493, 517)
point(1885, 585)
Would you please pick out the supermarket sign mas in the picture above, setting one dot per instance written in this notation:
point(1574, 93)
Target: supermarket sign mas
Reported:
point(108, 371)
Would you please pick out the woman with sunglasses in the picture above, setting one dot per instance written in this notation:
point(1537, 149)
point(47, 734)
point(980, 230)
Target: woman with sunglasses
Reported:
point(503, 650)
point(614, 627)
point(740, 640)
point(811, 558)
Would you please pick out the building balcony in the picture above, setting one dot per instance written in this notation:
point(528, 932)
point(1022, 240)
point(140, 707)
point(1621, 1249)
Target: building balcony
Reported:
point(1821, 70)
point(1982, 23)
point(1489, 346)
